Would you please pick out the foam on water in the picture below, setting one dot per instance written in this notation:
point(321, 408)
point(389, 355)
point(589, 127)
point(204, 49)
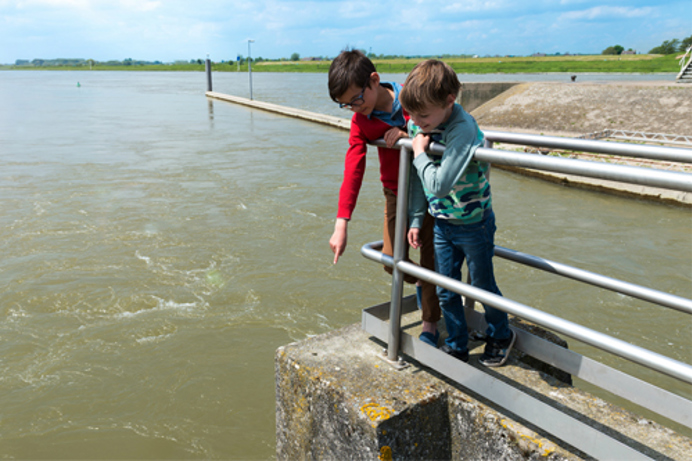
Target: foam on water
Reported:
point(165, 305)
point(157, 249)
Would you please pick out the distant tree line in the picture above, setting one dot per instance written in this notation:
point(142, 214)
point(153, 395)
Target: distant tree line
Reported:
point(401, 56)
point(667, 47)
point(617, 49)
point(672, 46)
point(87, 62)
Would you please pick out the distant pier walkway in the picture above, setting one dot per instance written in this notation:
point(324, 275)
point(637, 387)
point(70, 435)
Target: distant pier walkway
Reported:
point(335, 122)
point(560, 109)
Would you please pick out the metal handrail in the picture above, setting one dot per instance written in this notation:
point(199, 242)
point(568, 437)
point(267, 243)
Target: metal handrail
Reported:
point(682, 64)
point(682, 60)
point(620, 173)
point(649, 359)
point(641, 136)
point(671, 154)
point(643, 176)
point(636, 291)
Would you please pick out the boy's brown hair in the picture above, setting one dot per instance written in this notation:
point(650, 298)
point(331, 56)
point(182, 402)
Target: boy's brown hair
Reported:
point(351, 67)
point(429, 84)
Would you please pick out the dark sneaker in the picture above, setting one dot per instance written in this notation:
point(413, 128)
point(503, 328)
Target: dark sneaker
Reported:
point(497, 351)
point(463, 356)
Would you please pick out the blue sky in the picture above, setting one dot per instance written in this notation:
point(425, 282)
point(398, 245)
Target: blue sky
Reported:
point(169, 30)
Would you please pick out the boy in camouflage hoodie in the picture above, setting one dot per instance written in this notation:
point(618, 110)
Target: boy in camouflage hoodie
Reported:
point(456, 190)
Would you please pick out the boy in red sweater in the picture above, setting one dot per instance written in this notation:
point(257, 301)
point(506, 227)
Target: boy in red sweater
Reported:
point(355, 84)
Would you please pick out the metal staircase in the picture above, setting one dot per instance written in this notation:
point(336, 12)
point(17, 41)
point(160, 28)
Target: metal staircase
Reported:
point(685, 75)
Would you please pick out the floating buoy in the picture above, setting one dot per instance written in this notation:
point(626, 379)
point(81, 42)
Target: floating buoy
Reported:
point(78, 85)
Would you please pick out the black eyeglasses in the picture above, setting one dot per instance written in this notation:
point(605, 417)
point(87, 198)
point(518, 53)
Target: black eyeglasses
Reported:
point(357, 101)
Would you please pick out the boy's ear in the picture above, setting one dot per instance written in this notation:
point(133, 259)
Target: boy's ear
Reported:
point(451, 99)
point(375, 78)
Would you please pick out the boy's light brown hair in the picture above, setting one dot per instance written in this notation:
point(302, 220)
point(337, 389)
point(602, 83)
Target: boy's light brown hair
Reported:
point(351, 67)
point(429, 84)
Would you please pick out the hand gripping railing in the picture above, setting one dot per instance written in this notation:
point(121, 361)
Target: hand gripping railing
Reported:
point(675, 407)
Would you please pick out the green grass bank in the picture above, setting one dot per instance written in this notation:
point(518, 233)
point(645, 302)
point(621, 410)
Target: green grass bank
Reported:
point(643, 63)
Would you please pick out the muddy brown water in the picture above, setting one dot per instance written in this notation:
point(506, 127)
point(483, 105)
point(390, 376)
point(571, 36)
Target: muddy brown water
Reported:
point(158, 247)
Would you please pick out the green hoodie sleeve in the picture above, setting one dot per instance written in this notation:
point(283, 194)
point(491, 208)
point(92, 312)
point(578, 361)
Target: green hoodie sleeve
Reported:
point(460, 139)
point(417, 202)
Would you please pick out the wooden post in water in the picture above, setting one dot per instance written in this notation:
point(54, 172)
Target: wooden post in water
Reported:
point(208, 69)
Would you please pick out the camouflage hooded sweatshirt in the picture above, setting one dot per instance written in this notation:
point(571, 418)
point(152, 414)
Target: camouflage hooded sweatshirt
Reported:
point(454, 186)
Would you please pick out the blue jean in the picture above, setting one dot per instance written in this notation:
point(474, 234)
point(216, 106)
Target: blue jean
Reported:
point(475, 243)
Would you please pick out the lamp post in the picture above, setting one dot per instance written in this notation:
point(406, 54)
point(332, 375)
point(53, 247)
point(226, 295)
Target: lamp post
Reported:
point(249, 64)
point(207, 68)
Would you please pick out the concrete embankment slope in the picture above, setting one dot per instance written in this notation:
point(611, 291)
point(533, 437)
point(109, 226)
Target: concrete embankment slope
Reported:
point(576, 109)
point(573, 109)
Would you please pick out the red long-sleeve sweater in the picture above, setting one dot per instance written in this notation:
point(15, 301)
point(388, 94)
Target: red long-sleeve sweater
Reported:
point(364, 129)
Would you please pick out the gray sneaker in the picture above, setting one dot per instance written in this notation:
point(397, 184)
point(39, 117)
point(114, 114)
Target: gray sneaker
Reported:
point(497, 351)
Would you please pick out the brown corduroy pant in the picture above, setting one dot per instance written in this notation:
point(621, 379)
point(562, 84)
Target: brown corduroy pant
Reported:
point(429, 302)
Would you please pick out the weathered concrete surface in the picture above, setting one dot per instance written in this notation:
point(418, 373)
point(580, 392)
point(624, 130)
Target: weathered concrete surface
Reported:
point(475, 94)
point(574, 109)
point(579, 108)
point(337, 400)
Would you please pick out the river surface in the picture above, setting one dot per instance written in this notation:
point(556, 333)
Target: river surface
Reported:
point(157, 247)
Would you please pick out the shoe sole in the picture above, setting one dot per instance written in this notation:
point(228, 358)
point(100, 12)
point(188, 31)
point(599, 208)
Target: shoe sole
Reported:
point(457, 355)
point(504, 359)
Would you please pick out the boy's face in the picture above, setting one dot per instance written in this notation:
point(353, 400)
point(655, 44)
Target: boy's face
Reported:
point(361, 99)
point(432, 116)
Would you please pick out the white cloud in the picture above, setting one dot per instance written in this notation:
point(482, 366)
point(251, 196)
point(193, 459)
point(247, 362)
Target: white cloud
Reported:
point(475, 5)
point(354, 10)
point(138, 5)
point(122, 5)
point(173, 29)
point(465, 25)
point(57, 4)
point(614, 12)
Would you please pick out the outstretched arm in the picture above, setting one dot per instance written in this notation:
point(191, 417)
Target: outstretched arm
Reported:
point(339, 238)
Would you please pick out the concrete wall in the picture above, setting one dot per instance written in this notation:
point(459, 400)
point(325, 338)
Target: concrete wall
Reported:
point(474, 95)
point(337, 400)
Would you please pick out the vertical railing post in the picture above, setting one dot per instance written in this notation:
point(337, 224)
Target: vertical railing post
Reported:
point(249, 64)
point(399, 250)
point(207, 66)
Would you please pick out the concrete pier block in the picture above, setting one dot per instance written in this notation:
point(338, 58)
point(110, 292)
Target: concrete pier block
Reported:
point(337, 399)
